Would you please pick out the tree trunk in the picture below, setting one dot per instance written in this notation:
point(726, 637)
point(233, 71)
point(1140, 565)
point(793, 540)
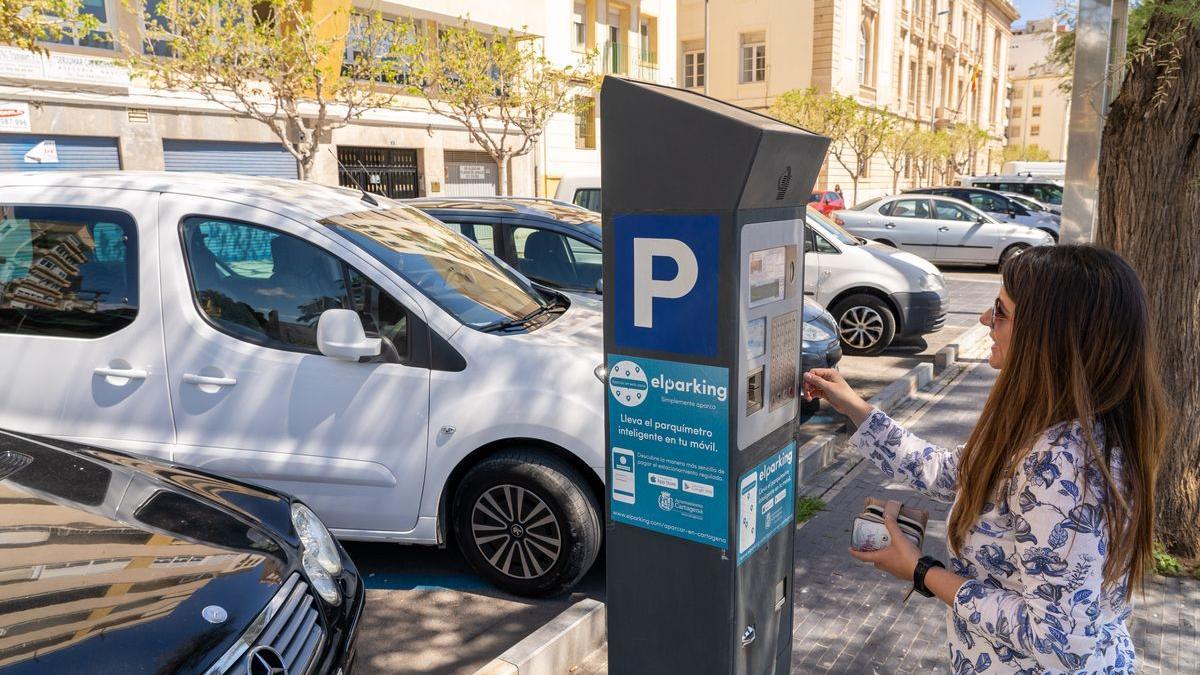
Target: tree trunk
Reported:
point(1149, 196)
point(502, 176)
point(304, 167)
point(854, 189)
point(895, 180)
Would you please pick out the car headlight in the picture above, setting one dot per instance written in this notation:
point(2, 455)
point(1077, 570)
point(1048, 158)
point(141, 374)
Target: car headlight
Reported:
point(932, 282)
point(815, 333)
point(318, 553)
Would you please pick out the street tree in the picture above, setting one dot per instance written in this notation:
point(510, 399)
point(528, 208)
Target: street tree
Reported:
point(928, 153)
point(965, 142)
point(498, 85)
point(25, 24)
point(1025, 153)
point(1149, 194)
point(276, 62)
point(899, 149)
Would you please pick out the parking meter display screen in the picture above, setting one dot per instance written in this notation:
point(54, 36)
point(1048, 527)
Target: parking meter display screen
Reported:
point(668, 425)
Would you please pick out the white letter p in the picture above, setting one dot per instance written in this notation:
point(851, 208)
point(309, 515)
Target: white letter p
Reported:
point(646, 287)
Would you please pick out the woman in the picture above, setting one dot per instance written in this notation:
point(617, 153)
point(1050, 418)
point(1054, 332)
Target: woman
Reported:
point(1053, 492)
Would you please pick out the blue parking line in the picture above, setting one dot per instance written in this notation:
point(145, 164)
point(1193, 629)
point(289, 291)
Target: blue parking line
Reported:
point(424, 582)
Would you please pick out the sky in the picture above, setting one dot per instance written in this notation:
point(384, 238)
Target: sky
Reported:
point(1034, 9)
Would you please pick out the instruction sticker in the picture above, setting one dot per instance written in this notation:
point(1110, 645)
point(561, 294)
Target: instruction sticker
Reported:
point(668, 429)
point(766, 500)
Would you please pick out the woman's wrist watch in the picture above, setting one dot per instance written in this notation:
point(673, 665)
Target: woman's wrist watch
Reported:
point(923, 565)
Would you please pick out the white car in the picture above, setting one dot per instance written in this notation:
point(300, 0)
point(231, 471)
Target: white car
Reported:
point(324, 342)
point(940, 229)
point(581, 190)
point(874, 292)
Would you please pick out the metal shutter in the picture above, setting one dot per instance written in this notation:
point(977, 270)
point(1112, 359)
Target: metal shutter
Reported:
point(252, 159)
point(74, 153)
point(470, 174)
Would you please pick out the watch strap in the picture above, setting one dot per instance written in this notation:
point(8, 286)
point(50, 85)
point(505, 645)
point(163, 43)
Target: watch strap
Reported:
point(923, 565)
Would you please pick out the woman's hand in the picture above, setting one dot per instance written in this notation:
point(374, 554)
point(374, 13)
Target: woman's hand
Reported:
point(899, 559)
point(829, 384)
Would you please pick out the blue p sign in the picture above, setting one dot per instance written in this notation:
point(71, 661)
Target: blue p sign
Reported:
point(665, 283)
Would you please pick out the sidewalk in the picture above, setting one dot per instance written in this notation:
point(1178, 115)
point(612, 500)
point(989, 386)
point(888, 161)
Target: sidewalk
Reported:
point(849, 617)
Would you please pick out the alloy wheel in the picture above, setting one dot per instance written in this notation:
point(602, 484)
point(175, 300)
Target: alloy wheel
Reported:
point(861, 327)
point(516, 532)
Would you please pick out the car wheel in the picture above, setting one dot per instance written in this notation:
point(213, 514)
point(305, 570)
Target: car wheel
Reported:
point(1053, 235)
point(1010, 253)
point(527, 522)
point(866, 325)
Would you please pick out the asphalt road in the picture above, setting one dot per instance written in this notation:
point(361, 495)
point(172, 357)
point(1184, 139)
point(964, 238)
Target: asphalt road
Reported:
point(428, 613)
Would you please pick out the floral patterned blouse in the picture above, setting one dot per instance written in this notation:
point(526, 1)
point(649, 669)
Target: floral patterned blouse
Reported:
point(1033, 600)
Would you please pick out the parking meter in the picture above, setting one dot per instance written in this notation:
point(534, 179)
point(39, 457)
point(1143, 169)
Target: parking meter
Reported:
point(703, 223)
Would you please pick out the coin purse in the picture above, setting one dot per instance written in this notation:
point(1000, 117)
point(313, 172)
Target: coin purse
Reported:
point(870, 534)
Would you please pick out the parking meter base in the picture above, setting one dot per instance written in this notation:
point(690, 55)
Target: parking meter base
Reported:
point(703, 207)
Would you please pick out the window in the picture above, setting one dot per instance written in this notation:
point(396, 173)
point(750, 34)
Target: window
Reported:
point(907, 208)
point(1035, 129)
point(1018, 92)
point(67, 272)
point(1016, 112)
point(588, 198)
point(754, 57)
point(101, 36)
point(912, 84)
point(1037, 91)
point(929, 85)
point(585, 123)
point(154, 16)
point(985, 202)
point(866, 50)
point(556, 259)
point(693, 69)
point(481, 233)
point(950, 211)
point(361, 44)
point(579, 27)
point(1036, 111)
point(270, 288)
point(823, 245)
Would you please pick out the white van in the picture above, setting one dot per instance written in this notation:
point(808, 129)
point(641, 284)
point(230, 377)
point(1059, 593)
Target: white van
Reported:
point(875, 293)
point(342, 347)
point(581, 190)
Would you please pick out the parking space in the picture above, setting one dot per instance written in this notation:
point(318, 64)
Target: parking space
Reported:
point(428, 612)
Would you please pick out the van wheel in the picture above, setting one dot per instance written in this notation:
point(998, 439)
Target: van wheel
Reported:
point(1010, 253)
point(866, 324)
point(527, 522)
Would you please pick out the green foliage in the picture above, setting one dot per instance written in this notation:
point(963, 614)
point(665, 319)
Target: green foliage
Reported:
point(274, 61)
point(1165, 563)
point(807, 507)
point(498, 85)
point(1026, 153)
point(26, 23)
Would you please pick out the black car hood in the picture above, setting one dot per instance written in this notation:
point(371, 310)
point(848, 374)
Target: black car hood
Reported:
point(107, 562)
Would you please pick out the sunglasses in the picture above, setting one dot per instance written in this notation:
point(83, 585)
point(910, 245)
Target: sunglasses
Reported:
point(998, 312)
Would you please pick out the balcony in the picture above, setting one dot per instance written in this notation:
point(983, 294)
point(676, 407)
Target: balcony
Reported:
point(622, 59)
point(950, 40)
point(918, 26)
point(904, 17)
point(945, 117)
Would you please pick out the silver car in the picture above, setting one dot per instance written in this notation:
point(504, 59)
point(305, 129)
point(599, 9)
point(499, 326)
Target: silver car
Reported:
point(1001, 208)
point(940, 229)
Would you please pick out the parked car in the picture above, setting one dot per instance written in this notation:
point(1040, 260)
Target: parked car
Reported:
point(559, 245)
point(119, 564)
point(1031, 203)
point(321, 341)
point(826, 201)
point(1049, 191)
point(581, 190)
point(940, 229)
point(1003, 209)
point(875, 292)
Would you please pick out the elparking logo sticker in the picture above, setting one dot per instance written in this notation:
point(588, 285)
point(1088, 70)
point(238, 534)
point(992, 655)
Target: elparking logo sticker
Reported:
point(628, 384)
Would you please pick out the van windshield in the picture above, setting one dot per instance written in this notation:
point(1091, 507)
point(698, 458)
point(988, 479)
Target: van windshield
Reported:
point(445, 266)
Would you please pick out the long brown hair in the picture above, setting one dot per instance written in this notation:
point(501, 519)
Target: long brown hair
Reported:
point(1082, 349)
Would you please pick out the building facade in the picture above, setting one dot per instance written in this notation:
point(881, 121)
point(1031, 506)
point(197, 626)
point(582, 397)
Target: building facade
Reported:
point(78, 108)
point(935, 63)
point(1038, 109)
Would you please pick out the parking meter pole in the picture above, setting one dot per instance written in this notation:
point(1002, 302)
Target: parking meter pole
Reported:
point(703, 207)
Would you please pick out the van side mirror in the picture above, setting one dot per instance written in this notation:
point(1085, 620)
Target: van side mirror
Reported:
point(340, 335)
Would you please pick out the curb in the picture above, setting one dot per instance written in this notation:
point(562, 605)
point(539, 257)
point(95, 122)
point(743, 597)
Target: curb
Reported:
point(557, 646)
point(820, 452)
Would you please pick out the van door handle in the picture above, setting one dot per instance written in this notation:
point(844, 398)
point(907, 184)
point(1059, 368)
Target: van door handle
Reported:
point(890, 226)
point(943, 229)
point(127, 373)
point(192, 378)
